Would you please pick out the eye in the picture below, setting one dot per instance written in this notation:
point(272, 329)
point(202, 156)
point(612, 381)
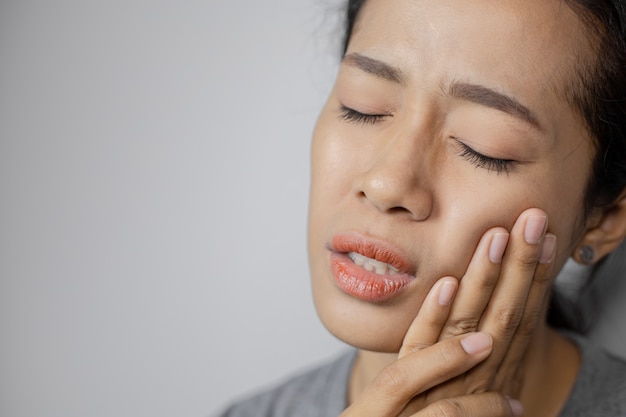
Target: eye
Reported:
point(351, 115)
point(482, 161)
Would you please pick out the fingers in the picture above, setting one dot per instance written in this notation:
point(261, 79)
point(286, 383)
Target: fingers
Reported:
point(427, 325)
point(490, 276)
point(477, 405)
point(419, 371)
point(477, 285)
point(538, 297)
point(524, 267)
point(502, 293)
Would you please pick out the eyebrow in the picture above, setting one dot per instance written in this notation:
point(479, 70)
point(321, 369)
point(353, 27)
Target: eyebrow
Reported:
point(375, 67)
point(473, 93)
point(487, 97)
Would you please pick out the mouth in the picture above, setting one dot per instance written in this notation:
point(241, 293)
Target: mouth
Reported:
point(372, 265)
point(368, 269)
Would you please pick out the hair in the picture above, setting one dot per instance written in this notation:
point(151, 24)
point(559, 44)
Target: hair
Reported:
point(599, 97)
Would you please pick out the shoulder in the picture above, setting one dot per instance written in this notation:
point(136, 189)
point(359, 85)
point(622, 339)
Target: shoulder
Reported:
point(319, 392)
point(600, 389)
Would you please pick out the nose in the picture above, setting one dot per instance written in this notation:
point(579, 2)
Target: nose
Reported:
point(396, 183)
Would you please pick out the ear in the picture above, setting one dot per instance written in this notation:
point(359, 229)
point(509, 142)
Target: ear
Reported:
point(606, 231)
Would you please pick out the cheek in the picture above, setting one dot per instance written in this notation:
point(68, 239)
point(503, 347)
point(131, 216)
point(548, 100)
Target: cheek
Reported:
point(331, 158)
point(464, 220)
point(332, 166)
point(338, 156)
point(328, 176)
point(469, 209)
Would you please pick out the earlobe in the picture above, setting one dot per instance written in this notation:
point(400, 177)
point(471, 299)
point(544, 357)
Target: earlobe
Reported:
point(604, 235)
point(586, 255)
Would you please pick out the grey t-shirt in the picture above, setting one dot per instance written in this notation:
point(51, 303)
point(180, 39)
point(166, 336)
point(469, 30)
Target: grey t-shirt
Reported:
point(600, 390)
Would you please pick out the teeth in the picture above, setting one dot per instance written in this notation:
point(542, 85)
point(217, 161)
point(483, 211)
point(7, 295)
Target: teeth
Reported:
point(372, 265)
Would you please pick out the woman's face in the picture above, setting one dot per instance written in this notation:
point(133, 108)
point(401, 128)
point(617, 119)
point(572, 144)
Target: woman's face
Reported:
point(447, 118)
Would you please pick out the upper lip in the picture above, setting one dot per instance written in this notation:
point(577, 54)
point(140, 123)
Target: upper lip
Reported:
point(374, 248)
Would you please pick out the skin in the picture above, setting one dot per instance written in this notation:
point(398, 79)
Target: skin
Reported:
point(403, 180)
point(404, 175)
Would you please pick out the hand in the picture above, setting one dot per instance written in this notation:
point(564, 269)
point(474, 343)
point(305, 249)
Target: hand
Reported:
point(417, 372)
point(500, 295)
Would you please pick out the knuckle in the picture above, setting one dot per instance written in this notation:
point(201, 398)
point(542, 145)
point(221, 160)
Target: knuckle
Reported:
point(526, 327)
point(391, 381)
point(416, 346)
point(508, 319)
point(528, 260)
point(449, 354)
point(458, 327)
point(486, 285)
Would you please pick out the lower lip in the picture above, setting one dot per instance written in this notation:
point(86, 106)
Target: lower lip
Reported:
point(363, 284)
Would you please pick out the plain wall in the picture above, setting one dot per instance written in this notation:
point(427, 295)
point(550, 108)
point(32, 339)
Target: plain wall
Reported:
point(154, 183)
point(153, 197)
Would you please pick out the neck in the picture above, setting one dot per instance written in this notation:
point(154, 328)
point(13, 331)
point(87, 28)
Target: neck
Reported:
point(550, 367)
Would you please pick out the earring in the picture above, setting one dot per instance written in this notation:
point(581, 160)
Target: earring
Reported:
point(587, 254)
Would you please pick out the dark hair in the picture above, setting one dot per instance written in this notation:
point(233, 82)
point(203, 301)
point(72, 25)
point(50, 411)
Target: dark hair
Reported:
point(599, 96)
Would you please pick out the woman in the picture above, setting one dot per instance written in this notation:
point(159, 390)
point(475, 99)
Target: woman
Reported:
point(466, 151)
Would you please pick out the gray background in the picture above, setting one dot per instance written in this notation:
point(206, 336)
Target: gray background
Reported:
point(153, 184)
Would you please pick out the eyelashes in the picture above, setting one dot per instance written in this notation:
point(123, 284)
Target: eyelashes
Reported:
point(351, 115)
point(496, 165)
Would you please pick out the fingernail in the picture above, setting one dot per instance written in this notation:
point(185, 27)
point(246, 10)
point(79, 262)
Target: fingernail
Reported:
point(549, 245)
point(476, 343)
point(498, 245)
point(535, 227)
point(516, 407)
point(446, 293)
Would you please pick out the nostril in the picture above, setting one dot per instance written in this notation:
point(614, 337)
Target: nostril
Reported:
point(390, 210)
point(398, 210)
point(395, 194)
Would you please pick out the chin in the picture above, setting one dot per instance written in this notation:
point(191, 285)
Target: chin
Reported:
point(376, 328)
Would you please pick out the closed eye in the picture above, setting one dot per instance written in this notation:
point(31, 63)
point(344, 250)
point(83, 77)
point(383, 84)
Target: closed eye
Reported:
point(351, 115)
point(483, 161)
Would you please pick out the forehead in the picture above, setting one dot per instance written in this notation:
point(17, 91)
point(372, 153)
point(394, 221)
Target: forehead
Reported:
point(542, 26)
point(532, 49)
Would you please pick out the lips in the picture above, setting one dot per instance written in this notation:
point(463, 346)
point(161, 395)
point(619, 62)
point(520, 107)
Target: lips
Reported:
point(368, 269)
